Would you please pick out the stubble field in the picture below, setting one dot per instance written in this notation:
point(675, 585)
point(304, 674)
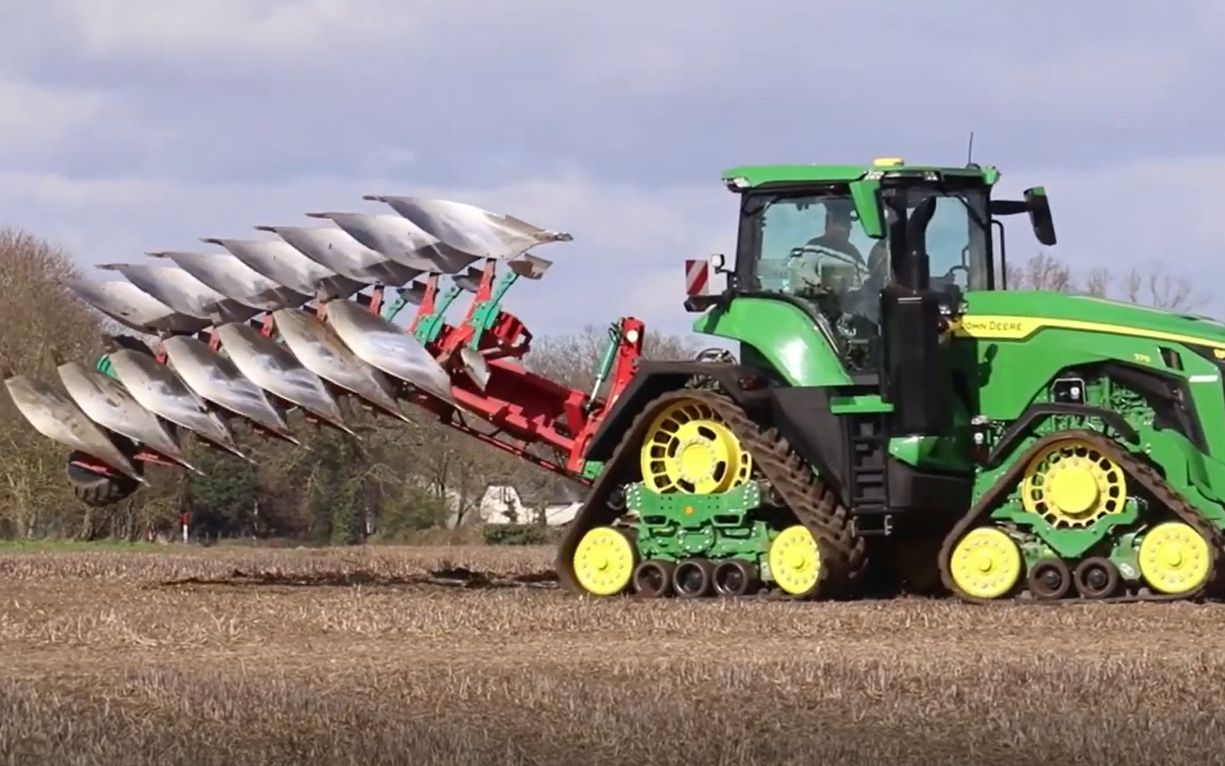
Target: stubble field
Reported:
point(365, 657)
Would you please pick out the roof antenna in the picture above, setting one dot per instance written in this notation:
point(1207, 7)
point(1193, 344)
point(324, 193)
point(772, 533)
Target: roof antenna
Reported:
point(970, 151)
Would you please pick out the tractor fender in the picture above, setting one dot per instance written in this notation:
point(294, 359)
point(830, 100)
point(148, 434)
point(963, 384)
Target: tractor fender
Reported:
point(656, 377)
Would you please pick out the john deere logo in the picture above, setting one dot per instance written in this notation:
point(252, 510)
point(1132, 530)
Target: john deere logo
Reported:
point(991, 325)
point(997, 326)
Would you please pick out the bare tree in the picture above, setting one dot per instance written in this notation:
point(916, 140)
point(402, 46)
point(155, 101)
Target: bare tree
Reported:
point(1154, 286)
point(38, 315)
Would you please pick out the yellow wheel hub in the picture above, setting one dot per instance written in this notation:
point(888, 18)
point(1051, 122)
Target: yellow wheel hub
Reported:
point(688, 449)
point(1072, 485)
point(986, 563)
point(604, 561)
point(795, 560)
point(1174, 558)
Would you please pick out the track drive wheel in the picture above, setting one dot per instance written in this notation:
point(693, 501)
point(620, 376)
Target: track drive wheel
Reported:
point(986, 563)
point(688, 448)
point(795, 561)
point(1174, 558)
point(604, 561)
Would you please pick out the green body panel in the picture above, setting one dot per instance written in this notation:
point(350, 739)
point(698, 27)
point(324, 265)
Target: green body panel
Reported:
point(1195, 475)
point(1012, 344)
point(781, 335)
point(676, 526)
point(935, 453)
point(856, 404)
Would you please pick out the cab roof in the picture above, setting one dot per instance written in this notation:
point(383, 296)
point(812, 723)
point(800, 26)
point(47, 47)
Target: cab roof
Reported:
point(752, 176)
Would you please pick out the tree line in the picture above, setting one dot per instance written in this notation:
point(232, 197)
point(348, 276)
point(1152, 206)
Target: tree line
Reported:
point(395, 480)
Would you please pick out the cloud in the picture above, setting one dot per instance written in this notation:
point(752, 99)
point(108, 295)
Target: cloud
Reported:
point(64, 193)
point(37, 117)
point(255, 28)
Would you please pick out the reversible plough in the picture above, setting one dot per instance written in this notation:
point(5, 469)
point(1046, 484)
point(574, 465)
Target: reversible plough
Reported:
point(260, 327)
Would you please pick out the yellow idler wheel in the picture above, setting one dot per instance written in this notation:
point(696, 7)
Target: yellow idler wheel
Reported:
point(688, 449)
point(986, 563)
point(604, 561)
point(1072, 484)
point(795, 561)
point(1174, 558)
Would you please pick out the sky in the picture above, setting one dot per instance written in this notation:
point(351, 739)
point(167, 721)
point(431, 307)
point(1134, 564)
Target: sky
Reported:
point(135, 125)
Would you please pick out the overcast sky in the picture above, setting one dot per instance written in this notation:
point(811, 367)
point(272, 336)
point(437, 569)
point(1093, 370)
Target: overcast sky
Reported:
point(136, 125)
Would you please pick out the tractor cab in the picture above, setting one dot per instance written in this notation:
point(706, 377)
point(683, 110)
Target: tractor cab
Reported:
point(830, 239)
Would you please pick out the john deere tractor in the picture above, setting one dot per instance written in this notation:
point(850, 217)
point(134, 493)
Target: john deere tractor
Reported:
point(897, 419)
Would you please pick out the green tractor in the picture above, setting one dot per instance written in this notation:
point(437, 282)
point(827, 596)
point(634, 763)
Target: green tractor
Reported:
point(898, 420)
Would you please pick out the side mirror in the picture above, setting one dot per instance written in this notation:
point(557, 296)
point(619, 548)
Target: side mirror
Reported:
point(1039, 208)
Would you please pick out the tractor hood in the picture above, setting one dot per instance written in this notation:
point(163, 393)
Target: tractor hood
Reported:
point(1016, 314)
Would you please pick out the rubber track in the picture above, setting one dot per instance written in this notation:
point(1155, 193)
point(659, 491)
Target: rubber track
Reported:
point(844, 556)
point(1138, 471)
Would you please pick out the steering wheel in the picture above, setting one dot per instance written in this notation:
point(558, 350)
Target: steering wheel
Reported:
point(950, 280)
point(860, 269)
point(810, 272)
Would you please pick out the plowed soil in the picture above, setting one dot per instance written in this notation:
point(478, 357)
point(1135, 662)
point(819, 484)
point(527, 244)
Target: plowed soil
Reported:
point(473, 656)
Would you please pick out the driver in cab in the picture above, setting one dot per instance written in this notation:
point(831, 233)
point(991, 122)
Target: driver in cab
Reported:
point(840, 263)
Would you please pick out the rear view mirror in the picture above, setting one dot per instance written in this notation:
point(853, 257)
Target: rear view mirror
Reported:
point(1039, 208)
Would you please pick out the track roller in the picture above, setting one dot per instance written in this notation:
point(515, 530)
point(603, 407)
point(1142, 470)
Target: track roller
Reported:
point(1049, 579)
point(1096, 577)
point(735, 577)
point(653, 578)
point(693, 578)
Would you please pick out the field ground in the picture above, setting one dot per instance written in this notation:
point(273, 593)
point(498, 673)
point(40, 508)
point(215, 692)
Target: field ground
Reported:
point(247, 656)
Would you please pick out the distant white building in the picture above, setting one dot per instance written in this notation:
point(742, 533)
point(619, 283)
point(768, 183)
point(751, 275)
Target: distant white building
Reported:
point(507, 504)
